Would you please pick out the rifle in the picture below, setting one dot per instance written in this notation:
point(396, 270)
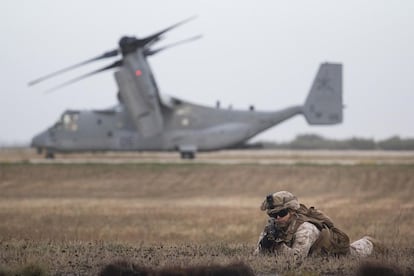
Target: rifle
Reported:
point(272, 235)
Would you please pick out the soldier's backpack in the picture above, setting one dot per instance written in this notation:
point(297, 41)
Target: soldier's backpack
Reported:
point(331, 241)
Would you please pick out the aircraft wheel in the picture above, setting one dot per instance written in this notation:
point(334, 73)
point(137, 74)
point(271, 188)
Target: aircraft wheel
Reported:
point(187, 155)
point(50, 155)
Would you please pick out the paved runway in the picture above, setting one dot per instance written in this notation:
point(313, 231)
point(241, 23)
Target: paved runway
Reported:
point(218, 157)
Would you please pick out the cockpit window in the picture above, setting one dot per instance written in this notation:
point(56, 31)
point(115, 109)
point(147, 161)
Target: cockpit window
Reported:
point(70, 121)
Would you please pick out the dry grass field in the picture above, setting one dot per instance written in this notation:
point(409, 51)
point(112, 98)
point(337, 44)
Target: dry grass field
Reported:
point(74, 217)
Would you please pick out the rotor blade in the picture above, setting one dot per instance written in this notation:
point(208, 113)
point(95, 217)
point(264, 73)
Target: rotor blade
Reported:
point(113, 65)
point(104, 55)
point(150, 38)
point(156, 51)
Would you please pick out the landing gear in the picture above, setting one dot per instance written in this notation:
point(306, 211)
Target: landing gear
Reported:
point(187, 155)
point(50, 155)
point(187, 151)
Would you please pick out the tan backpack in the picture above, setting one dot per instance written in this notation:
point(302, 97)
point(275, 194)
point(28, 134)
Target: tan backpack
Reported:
point(331, 241)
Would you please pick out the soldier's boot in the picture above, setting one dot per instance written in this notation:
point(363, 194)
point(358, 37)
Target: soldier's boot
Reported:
point(379, 246)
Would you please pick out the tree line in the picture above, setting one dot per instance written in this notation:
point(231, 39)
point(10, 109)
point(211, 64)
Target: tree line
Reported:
point(317, 142)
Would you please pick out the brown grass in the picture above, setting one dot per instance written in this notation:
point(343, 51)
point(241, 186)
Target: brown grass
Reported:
point(75, 218)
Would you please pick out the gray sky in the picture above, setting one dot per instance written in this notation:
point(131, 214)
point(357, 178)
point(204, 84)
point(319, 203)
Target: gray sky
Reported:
point(264, 53)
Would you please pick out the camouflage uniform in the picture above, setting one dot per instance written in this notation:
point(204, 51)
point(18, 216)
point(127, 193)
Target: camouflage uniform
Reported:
point(304, 238)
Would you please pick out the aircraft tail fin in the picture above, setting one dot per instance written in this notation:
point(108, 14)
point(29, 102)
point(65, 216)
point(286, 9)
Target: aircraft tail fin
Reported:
point(323, 106)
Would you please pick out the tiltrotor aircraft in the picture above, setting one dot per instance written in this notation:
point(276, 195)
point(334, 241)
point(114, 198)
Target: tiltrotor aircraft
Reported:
point(145, 121)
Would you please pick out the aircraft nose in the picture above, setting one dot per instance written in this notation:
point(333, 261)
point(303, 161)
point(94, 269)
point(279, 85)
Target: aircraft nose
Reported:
point(39, 140)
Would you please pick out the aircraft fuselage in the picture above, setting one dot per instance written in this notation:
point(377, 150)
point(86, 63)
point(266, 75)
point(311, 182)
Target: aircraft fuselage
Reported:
point(186, 127)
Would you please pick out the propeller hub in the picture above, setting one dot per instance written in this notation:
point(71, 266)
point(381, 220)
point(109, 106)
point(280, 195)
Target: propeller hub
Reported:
point(128, 44)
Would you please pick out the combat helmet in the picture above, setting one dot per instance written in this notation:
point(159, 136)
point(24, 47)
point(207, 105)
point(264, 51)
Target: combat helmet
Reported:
point(278, 201)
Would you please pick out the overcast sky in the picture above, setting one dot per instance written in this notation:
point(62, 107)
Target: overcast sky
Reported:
point(263, 53)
